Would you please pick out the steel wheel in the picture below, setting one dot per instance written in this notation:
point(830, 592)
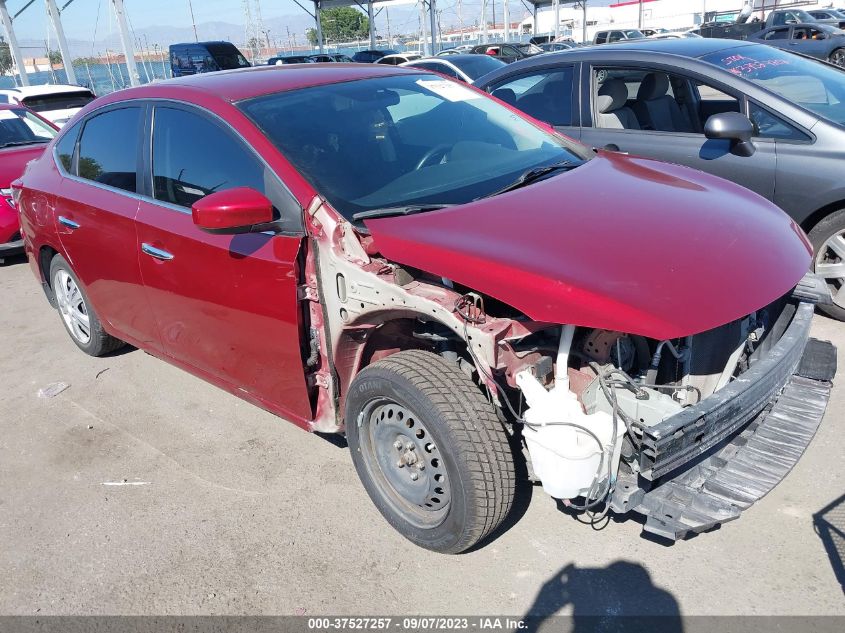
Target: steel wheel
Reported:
point(830, 264)
point(72, 307)
point(404, 462)
point(838, 57)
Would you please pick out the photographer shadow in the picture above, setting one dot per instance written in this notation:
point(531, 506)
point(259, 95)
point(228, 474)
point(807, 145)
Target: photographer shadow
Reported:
point(619, 597)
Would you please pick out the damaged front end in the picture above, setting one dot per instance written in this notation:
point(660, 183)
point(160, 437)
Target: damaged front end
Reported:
point(688, 432)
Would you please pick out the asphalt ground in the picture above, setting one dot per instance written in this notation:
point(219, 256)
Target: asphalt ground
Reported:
point(143, 490)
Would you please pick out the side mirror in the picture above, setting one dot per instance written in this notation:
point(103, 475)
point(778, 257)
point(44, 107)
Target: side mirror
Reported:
point(236, 210)
point(735, 127)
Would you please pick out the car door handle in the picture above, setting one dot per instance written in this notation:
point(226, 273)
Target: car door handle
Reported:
point(68, 222)
point(152, 251)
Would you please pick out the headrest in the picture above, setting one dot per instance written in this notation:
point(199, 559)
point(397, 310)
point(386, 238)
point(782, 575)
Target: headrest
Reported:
point(612, 95)
point(654, 86)
point(505, 94)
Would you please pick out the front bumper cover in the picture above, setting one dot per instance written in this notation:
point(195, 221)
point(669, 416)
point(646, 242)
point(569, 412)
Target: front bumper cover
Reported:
point(693, 476)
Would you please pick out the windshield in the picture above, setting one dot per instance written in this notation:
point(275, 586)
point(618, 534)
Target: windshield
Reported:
point(529, 49)
point(58, 101)
point(19, 127)
point(818, 87)
point(227, 57)
point(793, 15)
point(403, 140)
point(477, 65)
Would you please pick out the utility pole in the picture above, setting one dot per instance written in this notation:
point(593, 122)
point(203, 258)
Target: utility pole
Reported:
point(423, 34)
point(640, 15)
point(371, 24)
point(584, 22)
point(484, 21)
point(55, 18)
point(317, 5)
point(13, 43)
point(128, 51)
point(557, 18)
point(193, 21)
point(432, 14)
point(506, 16)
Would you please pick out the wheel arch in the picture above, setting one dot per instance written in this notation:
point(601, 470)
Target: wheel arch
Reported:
point(46, 253)
point(382, 334)
point(808, 223)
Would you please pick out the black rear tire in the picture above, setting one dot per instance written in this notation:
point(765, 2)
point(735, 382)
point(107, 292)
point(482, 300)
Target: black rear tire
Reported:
point(828, 227)
point(466, 486)
point(837, 57)
point(95, 341)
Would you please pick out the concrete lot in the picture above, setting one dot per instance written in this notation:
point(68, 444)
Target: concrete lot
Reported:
point(235, 511)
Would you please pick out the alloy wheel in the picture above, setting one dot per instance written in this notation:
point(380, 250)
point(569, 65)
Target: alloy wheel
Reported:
point(838, 57)
point(403, 460)
point(830, 264)
point(72, 307)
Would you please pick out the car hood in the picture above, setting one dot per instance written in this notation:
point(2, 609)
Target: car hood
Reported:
point(13, 160)
point(620, 243)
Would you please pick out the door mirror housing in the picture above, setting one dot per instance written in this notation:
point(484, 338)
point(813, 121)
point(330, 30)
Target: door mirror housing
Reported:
point(735, 127)
point(238, 210)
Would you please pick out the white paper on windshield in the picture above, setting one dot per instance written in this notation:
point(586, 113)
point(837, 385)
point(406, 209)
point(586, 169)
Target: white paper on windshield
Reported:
point(7, 115)
point(448, 89)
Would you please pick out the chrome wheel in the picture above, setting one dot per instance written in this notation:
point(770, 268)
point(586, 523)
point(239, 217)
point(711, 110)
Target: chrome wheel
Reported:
point(838, 57)
point(72, 306)
point(402, 459)
point(830, 264)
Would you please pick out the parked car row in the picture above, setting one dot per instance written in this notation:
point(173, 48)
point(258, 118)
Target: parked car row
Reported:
point(456, 283)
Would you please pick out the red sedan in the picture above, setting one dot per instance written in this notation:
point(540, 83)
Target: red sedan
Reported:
point(392, 255)
point(23, 137)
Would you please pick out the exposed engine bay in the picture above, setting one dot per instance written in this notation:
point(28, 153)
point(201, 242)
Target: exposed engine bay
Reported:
point(587, 421)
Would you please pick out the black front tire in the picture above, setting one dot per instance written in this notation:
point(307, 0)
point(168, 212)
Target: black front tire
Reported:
point(465, 434)
point(819, 235)
point(99, 342)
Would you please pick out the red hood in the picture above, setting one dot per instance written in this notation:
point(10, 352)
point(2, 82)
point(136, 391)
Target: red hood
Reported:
point(619, 243)
point(14, 159)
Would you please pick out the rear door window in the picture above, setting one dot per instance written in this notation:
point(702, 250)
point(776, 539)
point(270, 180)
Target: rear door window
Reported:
point(108, 148)
point(65, 148)
point(545, 95)
point(777, 34)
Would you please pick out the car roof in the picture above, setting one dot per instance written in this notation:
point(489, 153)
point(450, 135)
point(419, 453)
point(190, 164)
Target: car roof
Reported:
point(685, 47)
point(451, 59)
point(46, 89)
point(245, 83)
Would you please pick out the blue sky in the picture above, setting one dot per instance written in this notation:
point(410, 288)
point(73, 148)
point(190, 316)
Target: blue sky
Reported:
point(79, 18)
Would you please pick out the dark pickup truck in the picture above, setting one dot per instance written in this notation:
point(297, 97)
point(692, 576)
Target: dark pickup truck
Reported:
point(743, 28)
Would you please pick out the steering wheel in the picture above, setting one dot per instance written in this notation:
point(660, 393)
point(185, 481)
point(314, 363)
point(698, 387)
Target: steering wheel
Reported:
point(439, 151)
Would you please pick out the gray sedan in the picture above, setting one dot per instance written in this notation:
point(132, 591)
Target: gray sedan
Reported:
point(821, 41)
point(762, 117)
